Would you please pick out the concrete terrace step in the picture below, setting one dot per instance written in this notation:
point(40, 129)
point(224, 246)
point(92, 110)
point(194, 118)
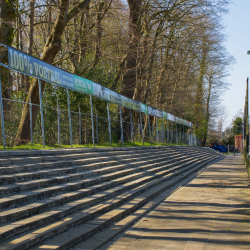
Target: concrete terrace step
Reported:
point(75, 160)
point(87, 215)
point(49, 192)
point(101, 239)
point(20, 212)
point(48, 165)
point(17, 187)
point(45, 158)
point(62, 179)
point(40, 193)
point(10, 230)
point(4, 179)
point(23, 153)
point(62, 157)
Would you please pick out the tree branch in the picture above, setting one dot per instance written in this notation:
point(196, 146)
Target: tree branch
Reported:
point(77, 9)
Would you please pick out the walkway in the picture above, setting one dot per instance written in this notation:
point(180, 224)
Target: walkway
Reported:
point(211, 212)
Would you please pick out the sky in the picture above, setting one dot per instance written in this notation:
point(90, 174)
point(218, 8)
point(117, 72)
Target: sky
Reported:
point(237, 32)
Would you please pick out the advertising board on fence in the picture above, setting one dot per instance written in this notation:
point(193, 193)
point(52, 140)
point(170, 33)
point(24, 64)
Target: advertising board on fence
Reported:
point(165, 115)
point(155, 112)
point(144, 108)
point(101, 92)
point(130, 104)
point(171, 117)
point(83, 85)
point(115, 98)
point(34, 67)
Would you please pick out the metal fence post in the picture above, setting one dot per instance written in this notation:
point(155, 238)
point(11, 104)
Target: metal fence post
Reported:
point(184, 138)
point(96, 127)
point(132, 128)
point(191, 136)
point(180, 135)
point(41, 110)
point(109, 124)
point(184, 134)
point(122, 140)
point(149, 130)
point(167, 132)
point(157, 131)
point(92, 121)
point(181, 139)
point(70, 128)
point(162, 129)
point(139, 132)
point(80, 126)
point(172, 134)
point(31, 125)
point(176, 133)
point(142, 130)
point(58, 121)
point(2, 116)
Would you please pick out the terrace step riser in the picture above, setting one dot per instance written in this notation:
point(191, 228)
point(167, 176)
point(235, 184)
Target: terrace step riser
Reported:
point(48, 173)
point(71, 224)
point(40, 184)
point(62, 213)
point(42, 195)
point(63, 200)
point(80, 237)
point(60, 163)
point(37, 159)
point(59, 180)
point(78, 195)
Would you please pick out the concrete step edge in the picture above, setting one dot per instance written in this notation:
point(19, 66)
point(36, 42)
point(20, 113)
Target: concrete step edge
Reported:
point(96, 241)
point(41, 221)
point(99, 223)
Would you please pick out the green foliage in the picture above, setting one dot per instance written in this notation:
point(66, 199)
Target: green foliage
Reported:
point(201, 130)
point(231, 132)
point(230, 140)
point(237, 126)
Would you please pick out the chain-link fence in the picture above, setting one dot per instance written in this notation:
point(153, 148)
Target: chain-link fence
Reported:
point(106, 130)
point(59, 116)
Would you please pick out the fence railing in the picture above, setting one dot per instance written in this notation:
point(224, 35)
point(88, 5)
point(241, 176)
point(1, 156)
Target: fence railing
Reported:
point(67, 117)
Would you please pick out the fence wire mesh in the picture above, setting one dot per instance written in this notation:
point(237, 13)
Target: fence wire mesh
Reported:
point(135, 127)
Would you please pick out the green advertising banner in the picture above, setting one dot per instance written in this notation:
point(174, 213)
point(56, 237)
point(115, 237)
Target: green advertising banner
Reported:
point(165, 115)
point(144, 108)
point(83, 85)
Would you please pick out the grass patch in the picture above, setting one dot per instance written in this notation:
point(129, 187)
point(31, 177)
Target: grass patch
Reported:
point(30, 146)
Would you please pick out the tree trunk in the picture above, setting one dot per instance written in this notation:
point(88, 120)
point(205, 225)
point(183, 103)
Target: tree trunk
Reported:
point(204, 139)
point(50, 50)
point(83, 39)
point(31, 40)
point(6, 37)
point(129, 77)
point(198, 107)
point(98, 52)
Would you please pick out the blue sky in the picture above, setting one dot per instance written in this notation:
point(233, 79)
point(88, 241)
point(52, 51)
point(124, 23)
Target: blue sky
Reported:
point(237, 31)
